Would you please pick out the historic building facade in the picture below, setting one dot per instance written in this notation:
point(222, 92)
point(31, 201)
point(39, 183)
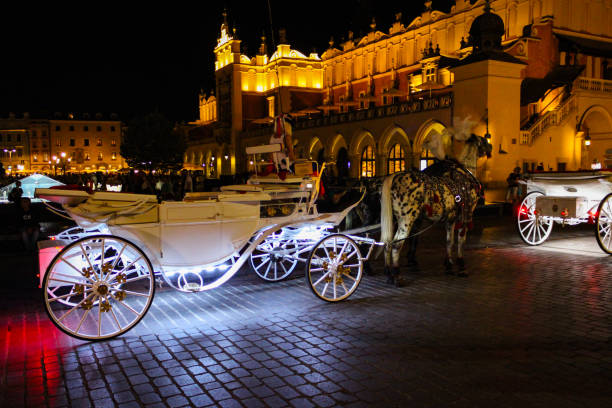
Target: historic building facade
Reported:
point(71, 143)
point(534, 75)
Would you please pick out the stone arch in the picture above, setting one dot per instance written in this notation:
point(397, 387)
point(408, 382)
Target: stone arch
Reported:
point(393, 135)
point(429, 126)
point(596, 122)
point(359, 142)
point(314, 146)
point(336, 144)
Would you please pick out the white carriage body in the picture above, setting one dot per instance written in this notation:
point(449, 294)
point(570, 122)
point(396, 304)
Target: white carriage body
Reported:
point(205, 228)
point(569, 195)
point(567, 198)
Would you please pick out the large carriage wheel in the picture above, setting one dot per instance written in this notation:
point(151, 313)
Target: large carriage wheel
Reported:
point(334, 268)
point(533, 229)
point(272, 259)
point(603, 224)
point(98, 287)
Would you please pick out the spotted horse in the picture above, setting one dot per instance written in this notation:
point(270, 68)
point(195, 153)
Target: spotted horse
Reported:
point(446, 192)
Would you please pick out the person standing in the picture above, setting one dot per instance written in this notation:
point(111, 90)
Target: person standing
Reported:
point(512, 193)
point(188, 183)
point(16, 193)
point(29, 226)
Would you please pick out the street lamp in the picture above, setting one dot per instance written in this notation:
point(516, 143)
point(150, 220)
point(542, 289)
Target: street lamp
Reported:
point(10, 152)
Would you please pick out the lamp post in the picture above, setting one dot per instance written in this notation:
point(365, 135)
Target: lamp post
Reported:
point(10, 152)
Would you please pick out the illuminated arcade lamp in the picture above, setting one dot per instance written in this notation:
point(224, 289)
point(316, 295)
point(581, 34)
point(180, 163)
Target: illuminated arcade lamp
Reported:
point(587, 139)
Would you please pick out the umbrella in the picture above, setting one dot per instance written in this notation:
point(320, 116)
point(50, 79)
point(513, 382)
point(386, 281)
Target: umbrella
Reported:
point(29, 184)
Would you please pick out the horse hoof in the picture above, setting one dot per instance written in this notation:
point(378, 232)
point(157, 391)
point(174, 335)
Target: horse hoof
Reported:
point(390, 280)
point(449, 272)
point(399, 282)
point(460, 264)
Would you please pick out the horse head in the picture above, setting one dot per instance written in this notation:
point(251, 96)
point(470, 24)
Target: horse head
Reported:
point(481, 145)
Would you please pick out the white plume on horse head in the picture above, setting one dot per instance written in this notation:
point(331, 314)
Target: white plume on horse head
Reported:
point(436, 144)
point(463, 128)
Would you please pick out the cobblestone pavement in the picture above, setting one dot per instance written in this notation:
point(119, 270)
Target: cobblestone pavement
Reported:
point(530, 327)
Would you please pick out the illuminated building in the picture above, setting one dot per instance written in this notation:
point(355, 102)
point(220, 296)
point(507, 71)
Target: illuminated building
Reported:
point(539, 79)
point(71, 143)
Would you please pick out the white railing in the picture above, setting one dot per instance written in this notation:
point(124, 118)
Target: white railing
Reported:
point(553, 117)
point(594, 85)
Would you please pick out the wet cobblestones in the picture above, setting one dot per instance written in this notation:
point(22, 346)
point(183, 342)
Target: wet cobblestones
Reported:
point(528, 328)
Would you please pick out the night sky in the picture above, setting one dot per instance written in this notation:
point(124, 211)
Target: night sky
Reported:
point(105, 57)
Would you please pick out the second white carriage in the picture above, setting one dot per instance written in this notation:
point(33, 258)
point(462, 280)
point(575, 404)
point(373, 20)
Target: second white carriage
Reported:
point(566, 198)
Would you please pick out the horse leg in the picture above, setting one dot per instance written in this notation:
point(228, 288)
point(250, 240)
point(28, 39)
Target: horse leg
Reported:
point(450, 239)
point(413, 242)
point(461, 237)
point(403, 230)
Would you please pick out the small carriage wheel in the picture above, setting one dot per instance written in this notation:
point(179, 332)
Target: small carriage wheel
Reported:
point(334, 268)
point(98, 287)
point(532, 229)
point(603, 224)
point(270, 260)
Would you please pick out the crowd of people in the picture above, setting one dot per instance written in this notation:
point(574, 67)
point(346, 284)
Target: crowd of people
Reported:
point(166, 186)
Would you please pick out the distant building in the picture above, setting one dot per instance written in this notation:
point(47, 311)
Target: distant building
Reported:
point(62, 142)
point(538, 73)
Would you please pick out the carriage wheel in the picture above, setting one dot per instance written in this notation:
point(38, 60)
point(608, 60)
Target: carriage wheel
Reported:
point(603, 224)
point(98, 287)
point(334, 268)
point(533, 229)
point(272, 260)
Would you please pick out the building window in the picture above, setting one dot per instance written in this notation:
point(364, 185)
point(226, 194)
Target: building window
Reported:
point(86, 156)
point(19, 138)
point(34, 145)
point(8, 138)
point(72, 142)
point(100, 156)
point(426, 160)
point(44, 133)
point(99, 128)
point(430, 74)
point(85, 128)
point(397, 160)
point(99, 142)
point(362, 102)
point(35, 158)
point(58, 143)
point(58, 128)
point(114, 156)
point(113, 142)
point(33, 134)
point(71, 128)
point(368, 162)
point(385, 98)
point(85, 142)
point(112, 128)
point(341, 100)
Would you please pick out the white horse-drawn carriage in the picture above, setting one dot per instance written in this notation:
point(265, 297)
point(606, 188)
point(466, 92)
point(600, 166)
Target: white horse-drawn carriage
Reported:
point(102, 280)
point(566, 198)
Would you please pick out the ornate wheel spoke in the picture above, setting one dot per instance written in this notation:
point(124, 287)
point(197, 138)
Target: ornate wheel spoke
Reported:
point(105, 292)
point(329, 275)
point(276, 254)
point(603, 224)
point(532, 229)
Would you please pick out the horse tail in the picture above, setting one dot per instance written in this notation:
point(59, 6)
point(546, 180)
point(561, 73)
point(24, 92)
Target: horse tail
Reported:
point(386, 211)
